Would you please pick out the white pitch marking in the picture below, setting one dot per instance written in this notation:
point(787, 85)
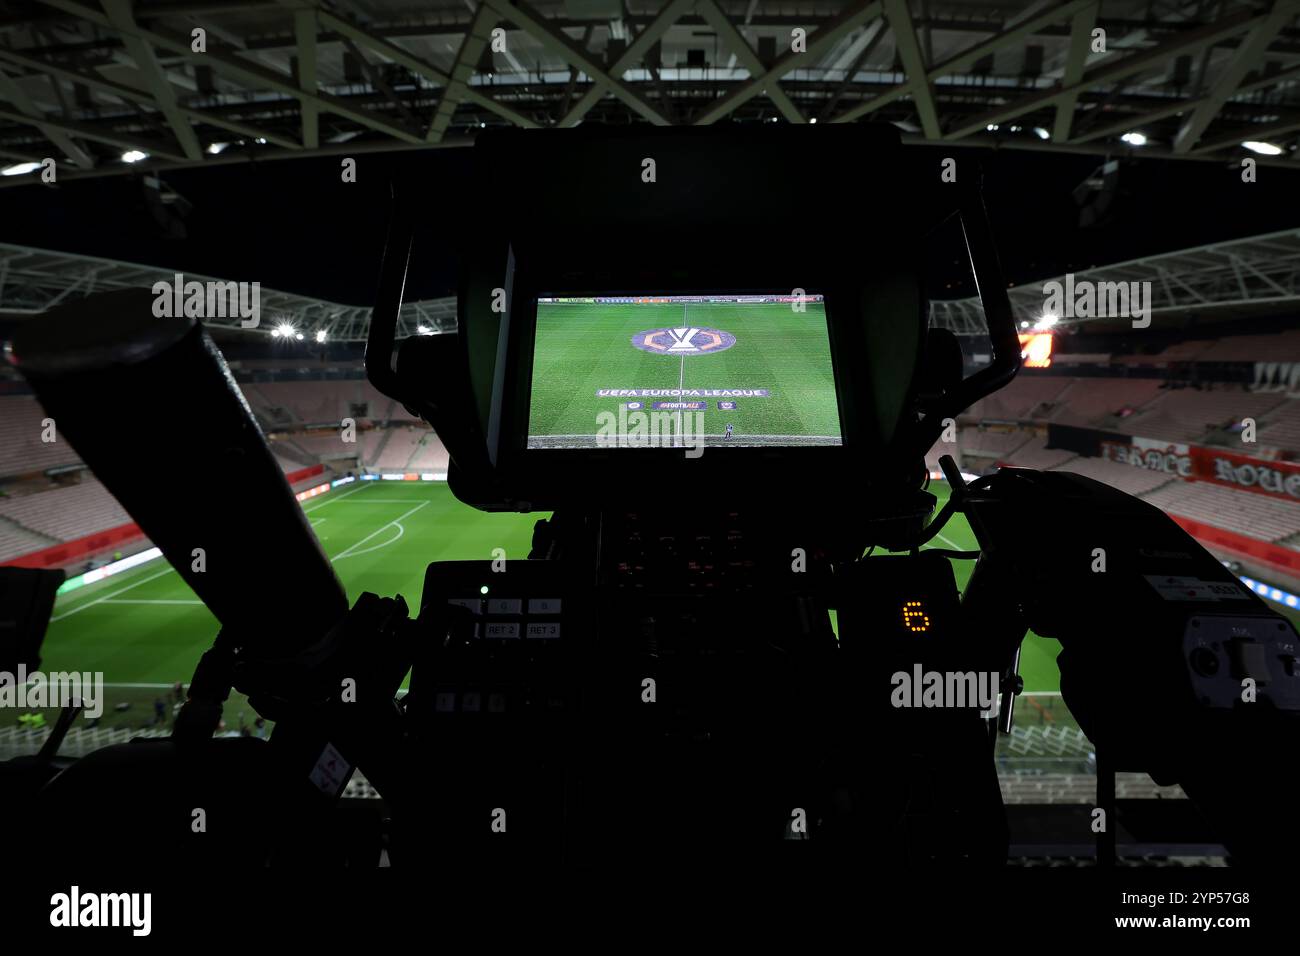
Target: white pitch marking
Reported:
point(381, 501)
point(383, 544)
point(951, 543)
point(335, 498)
point(349, 551)
point(145, 601)
point(113, 594)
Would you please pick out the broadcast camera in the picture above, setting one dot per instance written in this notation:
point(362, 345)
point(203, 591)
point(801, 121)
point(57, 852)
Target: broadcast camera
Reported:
point(732, 642)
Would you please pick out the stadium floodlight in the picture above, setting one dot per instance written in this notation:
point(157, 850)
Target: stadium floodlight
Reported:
point(260, 141)
point(1135, 139)
point(298, 336)
point(813, 120)
point(320, 335)
point(992, 127)
point(134, 156)
point(1024, 324)
point(284, 330)
point(423, 330)
point(19, 169)
point(1264, 149)
point(1046, 321)
point(215, 148)
point(1042, 133)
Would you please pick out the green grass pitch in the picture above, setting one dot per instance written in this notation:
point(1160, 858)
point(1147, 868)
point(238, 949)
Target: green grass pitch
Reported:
point(1037, 654)
point(584, 347)
point(145, 628)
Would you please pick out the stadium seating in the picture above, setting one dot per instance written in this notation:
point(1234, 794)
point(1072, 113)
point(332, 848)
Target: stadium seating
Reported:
point(66, 513)
point(1282, 427)
point(16, 540)
point(1277, 347)
point(325, 402)
point(1098, 402)
point(1190, 351)
point(1253, 515)
point(328, 444)
point(1186, 415)
point(1017, 401)
point(1035, 454)
point(983, 443)
point(431, 456)
point(396, 452)
point(1134, 481)
point(21, 447)
point(1055, 788)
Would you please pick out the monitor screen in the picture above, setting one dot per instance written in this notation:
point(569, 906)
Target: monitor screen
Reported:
point(649, 370)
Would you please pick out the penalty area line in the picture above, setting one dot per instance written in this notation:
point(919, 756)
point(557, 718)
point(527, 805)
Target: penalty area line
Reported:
point(352, 551)
point(111, 595)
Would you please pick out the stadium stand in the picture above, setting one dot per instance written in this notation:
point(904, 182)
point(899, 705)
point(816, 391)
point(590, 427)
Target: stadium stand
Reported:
point(1186, 415)
point(399, 448)
point(983, 443)
point(430, 456)
point(1190, 351)
point(328, 444)
point(66, 513)
point(1056, 788)
point(371, 443)
point(323, 402)
point(1035, 454)
point(1282, 430)
point(1099, 402)
point(1017, 401)
point(1134, 481)
point(1278, 347)
point(21, 447)
point(1254, 515)
point(17, 540)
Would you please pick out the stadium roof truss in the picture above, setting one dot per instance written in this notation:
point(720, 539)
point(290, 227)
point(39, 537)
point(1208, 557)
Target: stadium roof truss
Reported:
point(89, 82)
point(35, 280)
point(1242, 275)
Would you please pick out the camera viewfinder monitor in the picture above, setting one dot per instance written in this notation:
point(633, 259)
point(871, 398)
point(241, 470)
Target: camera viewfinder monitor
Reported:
point(672, 370)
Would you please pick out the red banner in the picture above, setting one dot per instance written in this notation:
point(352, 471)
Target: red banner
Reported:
point(302, 474)
point(72, 552)
point(1276, 557)
point(1281, 479)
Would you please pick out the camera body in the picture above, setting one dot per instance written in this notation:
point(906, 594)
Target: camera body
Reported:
point(702, 659)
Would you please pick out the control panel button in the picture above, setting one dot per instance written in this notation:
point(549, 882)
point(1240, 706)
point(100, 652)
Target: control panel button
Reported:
point(473, 604)
point(501, 629)
point(471, 702)
point(543, 605)
point(544, 630)
point(504, 605)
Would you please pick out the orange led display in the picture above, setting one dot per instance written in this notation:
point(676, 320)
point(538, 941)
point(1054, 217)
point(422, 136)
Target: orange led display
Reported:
point(914, 617)
point(1036, 349)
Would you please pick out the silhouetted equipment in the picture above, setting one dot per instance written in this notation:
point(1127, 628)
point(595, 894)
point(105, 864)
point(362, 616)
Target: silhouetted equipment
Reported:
point(658, 686)
point(26, 602)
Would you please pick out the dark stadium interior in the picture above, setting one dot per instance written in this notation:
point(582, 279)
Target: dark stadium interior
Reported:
point(1061, 331)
